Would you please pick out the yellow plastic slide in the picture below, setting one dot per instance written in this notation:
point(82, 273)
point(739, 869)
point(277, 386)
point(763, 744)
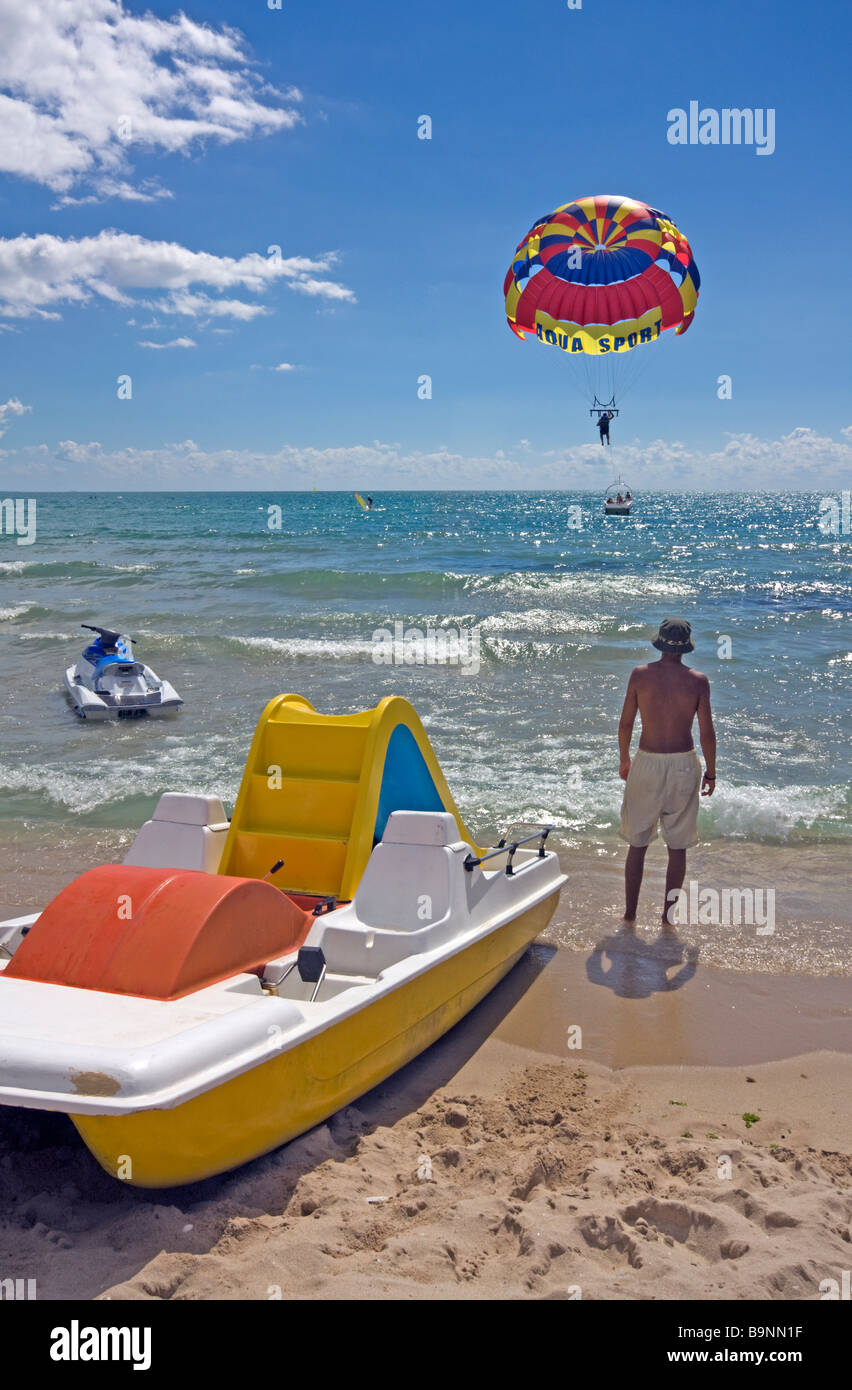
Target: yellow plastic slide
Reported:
point(318, 789)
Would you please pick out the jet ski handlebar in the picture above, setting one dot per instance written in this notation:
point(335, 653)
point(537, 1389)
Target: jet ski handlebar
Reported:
point(106, 634)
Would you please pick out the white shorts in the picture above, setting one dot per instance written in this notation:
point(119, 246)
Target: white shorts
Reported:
point(664, 788)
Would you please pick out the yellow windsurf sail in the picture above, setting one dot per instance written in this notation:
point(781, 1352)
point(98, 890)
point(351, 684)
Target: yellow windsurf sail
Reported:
point(361, 503)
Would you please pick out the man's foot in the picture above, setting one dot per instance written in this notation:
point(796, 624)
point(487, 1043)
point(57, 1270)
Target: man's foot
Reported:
point(628, 922)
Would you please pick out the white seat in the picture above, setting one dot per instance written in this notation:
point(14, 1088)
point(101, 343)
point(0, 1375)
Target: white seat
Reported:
point(185, 832)
point(421, 828)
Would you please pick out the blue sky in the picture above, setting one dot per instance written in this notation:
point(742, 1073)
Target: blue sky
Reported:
point(301, 131)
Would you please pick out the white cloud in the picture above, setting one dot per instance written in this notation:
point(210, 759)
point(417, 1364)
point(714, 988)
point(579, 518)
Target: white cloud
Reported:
point(38, 273)
point(85, 82)
point(285, 367)
point(175, 343)
point(801, 460)
point(326, 288)
point(149, 191)
point(203, 306)
point(11, 407)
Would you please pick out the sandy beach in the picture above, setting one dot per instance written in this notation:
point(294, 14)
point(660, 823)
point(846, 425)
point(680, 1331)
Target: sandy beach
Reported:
point(505, 1163)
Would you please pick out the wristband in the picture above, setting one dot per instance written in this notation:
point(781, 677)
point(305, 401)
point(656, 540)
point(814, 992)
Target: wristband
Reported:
point(708, 778)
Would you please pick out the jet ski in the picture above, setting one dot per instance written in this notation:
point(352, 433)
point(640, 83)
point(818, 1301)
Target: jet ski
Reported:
point(109, 683)
point(198, 1005)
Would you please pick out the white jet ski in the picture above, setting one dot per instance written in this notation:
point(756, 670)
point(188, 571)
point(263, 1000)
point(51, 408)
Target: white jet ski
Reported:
point(109, 683)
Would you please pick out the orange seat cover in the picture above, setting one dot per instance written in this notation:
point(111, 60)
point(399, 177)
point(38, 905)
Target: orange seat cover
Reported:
point(158, 933)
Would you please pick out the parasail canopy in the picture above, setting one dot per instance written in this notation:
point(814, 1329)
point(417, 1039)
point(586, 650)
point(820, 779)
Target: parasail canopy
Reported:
point(602, 275)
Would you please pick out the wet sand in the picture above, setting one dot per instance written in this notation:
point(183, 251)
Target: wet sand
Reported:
point(638, 1002)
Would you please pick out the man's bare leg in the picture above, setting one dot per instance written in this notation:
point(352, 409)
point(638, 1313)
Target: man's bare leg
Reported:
point(634, 867)
point(675, 874)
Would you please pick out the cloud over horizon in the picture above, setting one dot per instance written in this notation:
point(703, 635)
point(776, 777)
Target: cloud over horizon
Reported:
point(800, 460)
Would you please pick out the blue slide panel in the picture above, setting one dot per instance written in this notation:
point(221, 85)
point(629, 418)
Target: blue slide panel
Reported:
point(406, 781)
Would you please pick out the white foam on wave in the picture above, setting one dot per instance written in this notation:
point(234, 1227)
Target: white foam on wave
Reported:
point(172, 766)
point(539, 620)
point(598, 586)
point(306, 646)
point(582, 794)
point(757, 812)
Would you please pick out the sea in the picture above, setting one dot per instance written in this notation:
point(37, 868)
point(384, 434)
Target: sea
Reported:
point(511, 621)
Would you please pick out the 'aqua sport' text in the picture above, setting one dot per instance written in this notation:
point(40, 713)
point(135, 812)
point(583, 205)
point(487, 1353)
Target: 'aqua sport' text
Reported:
point(605, 344)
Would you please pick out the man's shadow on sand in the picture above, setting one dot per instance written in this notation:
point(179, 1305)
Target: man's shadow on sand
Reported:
point(637, 968)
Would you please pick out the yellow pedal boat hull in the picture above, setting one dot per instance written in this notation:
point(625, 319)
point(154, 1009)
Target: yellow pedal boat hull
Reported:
point(280, 1099)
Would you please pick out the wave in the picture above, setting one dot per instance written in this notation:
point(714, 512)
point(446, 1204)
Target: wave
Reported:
point(305, 646)
point(454, 584)
point(582, 803)
point(126, 788)
point(71, 569)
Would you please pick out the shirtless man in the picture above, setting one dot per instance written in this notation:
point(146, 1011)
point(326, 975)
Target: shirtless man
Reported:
point(663, 778)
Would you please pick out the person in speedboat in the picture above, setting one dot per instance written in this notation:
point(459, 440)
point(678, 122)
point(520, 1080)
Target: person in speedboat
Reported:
point(664, 777)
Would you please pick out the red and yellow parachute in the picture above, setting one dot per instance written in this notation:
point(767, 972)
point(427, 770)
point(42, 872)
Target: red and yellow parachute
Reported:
point(602, 275)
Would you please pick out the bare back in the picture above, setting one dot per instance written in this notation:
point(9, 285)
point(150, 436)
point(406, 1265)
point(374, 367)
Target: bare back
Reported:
point(669, 695)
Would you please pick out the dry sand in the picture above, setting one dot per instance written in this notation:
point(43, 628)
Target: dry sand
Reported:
point(505, 1163)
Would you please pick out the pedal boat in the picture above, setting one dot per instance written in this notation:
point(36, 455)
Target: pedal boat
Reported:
point(189, 1020)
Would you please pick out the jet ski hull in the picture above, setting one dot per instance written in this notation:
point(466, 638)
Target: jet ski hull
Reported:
point(88, 704)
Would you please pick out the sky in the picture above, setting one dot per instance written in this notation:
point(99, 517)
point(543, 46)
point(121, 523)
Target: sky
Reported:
point(227, 260)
